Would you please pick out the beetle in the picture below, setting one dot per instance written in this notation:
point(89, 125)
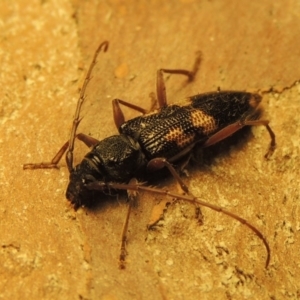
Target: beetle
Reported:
point(155, 140)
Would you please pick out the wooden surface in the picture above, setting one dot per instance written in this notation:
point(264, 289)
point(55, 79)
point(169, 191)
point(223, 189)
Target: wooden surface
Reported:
point(48, 251)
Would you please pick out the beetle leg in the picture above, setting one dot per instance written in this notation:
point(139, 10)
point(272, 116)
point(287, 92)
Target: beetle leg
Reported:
point(118, 113)
point(182, 165)
point(160, 91)
point(160, 82)
point(159, 163)
point(223, 133)
point(98, 185)
point(271, 133)
point(232, 128)
point(88, 140)
point(182, 169)
point(132, 195)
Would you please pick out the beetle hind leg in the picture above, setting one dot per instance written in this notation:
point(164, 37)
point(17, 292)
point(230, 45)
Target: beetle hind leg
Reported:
point(232, 128)
point(270, 131)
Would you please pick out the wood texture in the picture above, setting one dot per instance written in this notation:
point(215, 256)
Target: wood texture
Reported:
point(48, 251)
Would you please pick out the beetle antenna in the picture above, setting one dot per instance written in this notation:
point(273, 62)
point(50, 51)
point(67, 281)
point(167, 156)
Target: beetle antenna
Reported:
point(69, 155)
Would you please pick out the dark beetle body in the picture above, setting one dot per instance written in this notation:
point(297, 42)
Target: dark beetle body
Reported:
point(173, 128)
point(170, 133)
point(153, 141)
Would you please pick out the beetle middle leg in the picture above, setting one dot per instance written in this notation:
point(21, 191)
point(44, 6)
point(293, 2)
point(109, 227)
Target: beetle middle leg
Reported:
point(160, 91)
point(159, 163)
point(118, 113)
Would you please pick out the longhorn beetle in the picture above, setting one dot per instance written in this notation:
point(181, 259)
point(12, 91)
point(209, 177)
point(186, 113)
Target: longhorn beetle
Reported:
point(153, 141)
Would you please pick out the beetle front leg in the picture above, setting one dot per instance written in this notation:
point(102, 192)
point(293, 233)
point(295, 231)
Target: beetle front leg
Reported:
point(88, 140)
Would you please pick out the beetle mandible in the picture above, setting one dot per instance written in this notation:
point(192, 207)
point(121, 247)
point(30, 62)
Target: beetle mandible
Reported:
point(154, 141)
